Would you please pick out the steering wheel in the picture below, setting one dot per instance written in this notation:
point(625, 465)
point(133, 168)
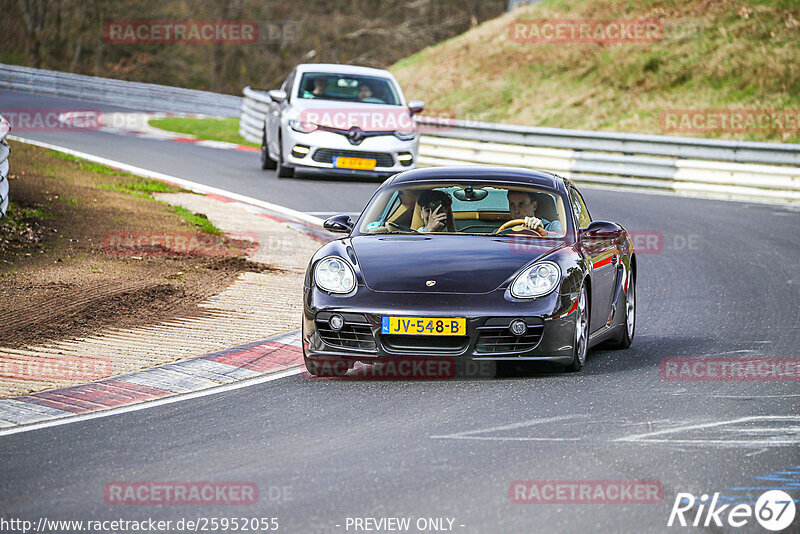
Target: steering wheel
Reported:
point(397, 228)
point(512, 222)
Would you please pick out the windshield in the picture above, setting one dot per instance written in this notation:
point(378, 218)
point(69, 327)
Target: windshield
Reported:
point(348, 88)
point(473, 209)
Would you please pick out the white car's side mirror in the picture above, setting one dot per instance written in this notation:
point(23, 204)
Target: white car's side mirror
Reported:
point(277, 95)
point(416, 106)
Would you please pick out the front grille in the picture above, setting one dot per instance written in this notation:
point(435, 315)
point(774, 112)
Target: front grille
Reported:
point(494, 337)
point(356, 333)
point(414, 344)
point(326, 155)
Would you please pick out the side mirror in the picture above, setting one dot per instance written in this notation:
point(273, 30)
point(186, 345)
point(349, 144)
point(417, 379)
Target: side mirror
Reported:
point(416, 106)
point(340, 224)
point(277, 95)
point(601, 229)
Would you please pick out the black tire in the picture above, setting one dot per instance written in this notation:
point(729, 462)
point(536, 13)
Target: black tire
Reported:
point(581, 345)
point(629, 329)
point(267, 163)
point(326, 368)
point(283, 170)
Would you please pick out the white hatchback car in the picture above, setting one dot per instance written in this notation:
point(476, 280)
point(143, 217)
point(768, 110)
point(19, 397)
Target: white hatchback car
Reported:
point(340, 119)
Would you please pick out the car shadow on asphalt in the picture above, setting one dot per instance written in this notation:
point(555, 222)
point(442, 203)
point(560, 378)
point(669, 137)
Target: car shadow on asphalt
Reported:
point(646, 353)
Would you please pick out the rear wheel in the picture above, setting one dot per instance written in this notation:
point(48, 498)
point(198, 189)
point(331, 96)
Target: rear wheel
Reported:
point(628, 332)
point(581, 345)
point(283, 170)
point(267, 163)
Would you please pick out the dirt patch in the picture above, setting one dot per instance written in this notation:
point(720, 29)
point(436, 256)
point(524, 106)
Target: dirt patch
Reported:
point(59, 278)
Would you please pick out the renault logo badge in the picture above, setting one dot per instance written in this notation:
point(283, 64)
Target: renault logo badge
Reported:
point(355, 135)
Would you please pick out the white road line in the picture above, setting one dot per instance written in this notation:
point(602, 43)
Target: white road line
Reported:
point(500, 438)
point(743, 442)
point(153, 403)
point(786, 395)
point(652, 437)
point(470, 434)
point(192, 186)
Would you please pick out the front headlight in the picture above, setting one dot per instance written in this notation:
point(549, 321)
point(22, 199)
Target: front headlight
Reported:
point(334, 274)
point(537, 280)
point(302, 126)
point(405, 136)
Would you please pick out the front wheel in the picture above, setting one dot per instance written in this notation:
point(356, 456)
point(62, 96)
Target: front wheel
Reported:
point(581, 345)
point(267, 163)
point(283, 170)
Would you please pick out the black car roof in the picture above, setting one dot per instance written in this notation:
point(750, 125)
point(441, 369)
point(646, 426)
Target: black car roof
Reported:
point(487, 173)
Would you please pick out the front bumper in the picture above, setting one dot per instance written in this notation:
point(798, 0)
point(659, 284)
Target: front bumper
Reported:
point(322, 146)
point(550, 320)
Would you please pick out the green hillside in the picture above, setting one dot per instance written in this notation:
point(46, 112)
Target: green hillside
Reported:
point(713, 55)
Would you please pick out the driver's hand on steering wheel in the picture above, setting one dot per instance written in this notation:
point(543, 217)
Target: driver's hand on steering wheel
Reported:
point(533, 223)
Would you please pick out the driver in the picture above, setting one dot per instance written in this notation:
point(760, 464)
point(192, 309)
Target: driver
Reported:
point(320, 86)
point(435, 210)
point(522, 205)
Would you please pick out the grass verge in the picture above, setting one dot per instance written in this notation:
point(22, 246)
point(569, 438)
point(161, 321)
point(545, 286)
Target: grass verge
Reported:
point(60, 274)
point(212, 129)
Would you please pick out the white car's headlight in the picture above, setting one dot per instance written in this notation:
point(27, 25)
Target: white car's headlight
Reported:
point(302, 126)
point(537, 280)
point(405, 136)
point(334, 274)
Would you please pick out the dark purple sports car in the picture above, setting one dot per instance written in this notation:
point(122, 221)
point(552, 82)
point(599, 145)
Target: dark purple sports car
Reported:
point(470, 263)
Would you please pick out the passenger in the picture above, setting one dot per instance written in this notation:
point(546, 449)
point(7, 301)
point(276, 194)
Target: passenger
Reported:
point(364, 91)
point(435, 210)
point(522, 205)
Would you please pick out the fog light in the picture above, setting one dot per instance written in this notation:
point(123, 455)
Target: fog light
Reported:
point(300, 151)
point(405, 158)
point(518, 327)
point(336, 321)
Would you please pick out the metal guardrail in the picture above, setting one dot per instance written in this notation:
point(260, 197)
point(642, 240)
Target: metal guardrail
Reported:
point(251, 121)
point(5, 127)
point(719, 179)
point(767, 172)
point(624, 143)
point(141, 96)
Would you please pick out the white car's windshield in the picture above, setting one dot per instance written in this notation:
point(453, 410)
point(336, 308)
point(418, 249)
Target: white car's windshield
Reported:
point(465, 209)
point(348, 88)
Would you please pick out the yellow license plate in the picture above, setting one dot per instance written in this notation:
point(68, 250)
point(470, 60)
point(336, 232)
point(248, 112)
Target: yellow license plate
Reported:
point(354, 163)
point(425, 326)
